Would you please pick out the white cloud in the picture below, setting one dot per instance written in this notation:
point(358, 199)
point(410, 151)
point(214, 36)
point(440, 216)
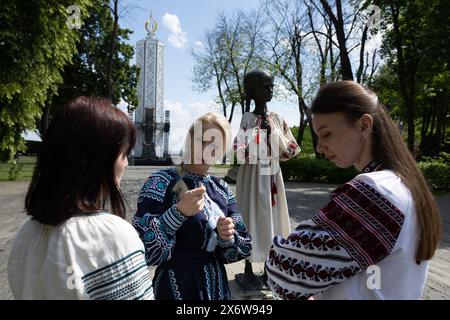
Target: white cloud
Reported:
point(172, 22)
point(199, 44)
point(203, 107)
point(123, 106)
point(282, 93)
point(178, 127)
point(374, 42)
point(284, 43)
point(182, 116)
point(31, 136)
point(177, 38)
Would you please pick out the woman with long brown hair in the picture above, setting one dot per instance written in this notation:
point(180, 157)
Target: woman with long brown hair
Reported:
point(72, 248)
point(375, 237)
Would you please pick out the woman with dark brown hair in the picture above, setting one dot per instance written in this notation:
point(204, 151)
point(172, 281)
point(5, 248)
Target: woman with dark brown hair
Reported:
point(72, 248)
point(375, 237)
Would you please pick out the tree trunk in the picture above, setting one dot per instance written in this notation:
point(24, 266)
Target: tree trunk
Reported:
point(232, 112)
point(439, 126)
point(408, 97)
point(45, 119)
point(303, 119)
point(359, 73)
point(219, 88)
point(411, 126)
point(301, 129)
point(338, 22)
point(109, 67)
point(313, 137)
point(426, 116)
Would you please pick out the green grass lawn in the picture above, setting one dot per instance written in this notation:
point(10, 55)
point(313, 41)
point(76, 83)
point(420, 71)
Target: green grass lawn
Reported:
point(226, 166)
point(25, 164)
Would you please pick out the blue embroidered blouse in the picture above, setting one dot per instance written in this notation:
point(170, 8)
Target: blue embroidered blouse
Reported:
point(187, 250)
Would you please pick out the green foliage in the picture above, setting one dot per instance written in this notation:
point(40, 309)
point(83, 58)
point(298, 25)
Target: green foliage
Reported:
point(14, 171)
point(87, 74)
point(309, 169)
point(437, 171)
point(35, 45)
point(21, 169)
point(306, 144)
point(33, 148)
point(424, 28)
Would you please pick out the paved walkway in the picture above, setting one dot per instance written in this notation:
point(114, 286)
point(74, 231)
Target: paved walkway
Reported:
point(304, 199)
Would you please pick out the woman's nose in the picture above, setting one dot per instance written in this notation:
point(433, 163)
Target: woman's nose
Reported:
point(320, 147)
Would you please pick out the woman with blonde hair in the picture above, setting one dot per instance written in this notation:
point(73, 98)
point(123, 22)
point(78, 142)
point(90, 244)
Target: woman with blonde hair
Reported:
point(376, 235)
point(189, 221)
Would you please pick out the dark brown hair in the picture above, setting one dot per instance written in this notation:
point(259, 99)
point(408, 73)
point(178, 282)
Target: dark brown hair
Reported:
point(355, 100)
point(75, 170)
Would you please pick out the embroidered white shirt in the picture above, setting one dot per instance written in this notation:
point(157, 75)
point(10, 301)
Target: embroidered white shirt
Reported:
point(91, 256)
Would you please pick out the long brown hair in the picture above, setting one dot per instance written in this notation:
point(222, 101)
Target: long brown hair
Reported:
point(355, 100)
point(75, 170)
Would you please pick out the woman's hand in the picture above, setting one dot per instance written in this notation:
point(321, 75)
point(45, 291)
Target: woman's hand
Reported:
point(192, 202)
point(225, 228)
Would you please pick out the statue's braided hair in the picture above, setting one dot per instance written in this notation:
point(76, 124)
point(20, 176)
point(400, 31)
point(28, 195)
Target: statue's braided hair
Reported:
point(252, 82)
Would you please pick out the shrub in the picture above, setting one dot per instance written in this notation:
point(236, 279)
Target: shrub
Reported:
point(437, 172)
point(309, 169)
point(14, 171)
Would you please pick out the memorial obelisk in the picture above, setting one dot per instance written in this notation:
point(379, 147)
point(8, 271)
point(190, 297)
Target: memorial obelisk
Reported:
point(151, 120)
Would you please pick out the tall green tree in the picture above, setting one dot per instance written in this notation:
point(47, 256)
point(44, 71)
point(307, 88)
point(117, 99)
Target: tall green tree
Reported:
point(88, 73)
point(36, 43)
point(286, 41)
point(416, 46)
point(434, 77)
point(231, 49)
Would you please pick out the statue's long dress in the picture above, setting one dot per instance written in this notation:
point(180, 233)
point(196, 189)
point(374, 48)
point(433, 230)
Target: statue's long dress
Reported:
point(260, 189)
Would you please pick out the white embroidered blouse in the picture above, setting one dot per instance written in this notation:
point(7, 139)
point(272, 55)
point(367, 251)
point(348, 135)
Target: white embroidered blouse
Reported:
point(361, 245)
point(90, 256)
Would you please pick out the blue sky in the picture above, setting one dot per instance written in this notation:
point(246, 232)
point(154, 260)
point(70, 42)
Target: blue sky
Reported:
point(181, 24)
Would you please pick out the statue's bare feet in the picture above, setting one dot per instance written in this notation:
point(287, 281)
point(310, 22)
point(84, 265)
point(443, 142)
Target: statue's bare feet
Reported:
point(262, 278)
point(249, 282)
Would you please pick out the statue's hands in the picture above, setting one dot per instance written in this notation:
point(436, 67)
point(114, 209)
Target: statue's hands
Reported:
point(192, 202)
point(225, 228)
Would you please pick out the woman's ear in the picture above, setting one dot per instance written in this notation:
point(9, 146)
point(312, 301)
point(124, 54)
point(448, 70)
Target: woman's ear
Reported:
point(366, 124)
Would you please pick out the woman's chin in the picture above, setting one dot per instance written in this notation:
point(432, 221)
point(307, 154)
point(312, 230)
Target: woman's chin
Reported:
point(342, 165)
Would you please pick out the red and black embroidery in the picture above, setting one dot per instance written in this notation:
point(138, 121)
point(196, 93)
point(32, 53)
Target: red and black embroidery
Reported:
point(374, 165)
point(286, 294)
point(290, 151)
point(363, 221)
point(307, 271)
point(312, 241)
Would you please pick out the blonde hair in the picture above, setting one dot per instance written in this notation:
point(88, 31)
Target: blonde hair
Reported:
point(218, 120)
point(211, 118)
